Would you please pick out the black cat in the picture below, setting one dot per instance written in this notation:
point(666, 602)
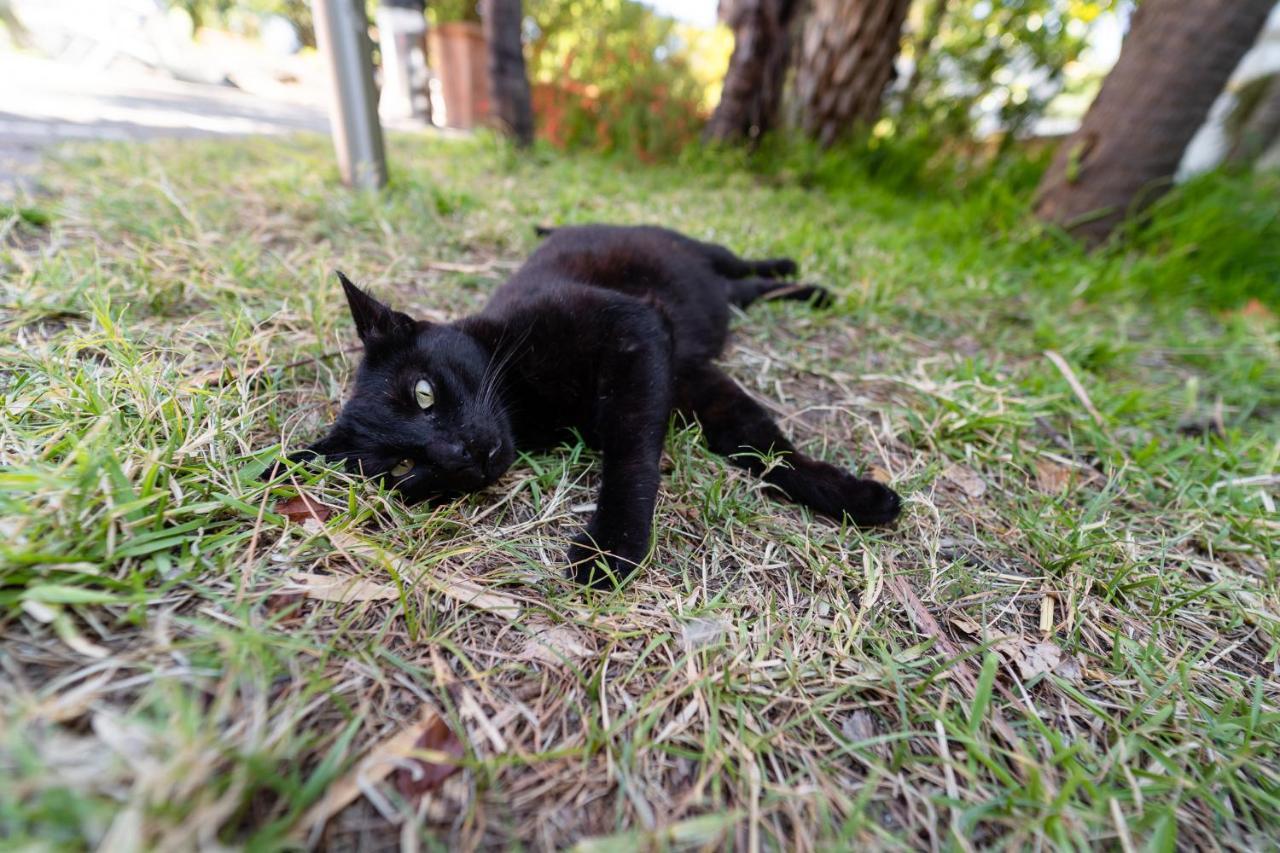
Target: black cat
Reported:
point(606, 330)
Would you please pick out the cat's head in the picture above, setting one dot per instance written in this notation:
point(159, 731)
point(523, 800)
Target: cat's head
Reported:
point(425, 413)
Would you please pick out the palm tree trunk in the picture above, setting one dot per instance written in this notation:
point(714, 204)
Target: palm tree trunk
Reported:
point(509, 98)
point(846, 63)
point(752, 95)
point(1174, 62)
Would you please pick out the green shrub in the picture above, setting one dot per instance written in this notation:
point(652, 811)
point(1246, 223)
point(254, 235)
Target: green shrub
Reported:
point(614, 76)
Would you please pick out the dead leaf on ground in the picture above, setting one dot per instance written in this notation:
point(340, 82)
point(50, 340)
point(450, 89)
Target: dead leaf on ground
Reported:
point(1069, 669)
point(1008, 645)
point(278, 602)
point(379, 762)
point(303, 508)
point(1052, 478)
point(967, 626)
point(1038, 659)
point(858, 726)
point(555, 644)
point(967, 479)
point(1032, 659)
point(340, 588)
point(434, 758)
point(702, 631)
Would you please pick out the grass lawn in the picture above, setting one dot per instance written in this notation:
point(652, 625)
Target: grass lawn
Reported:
point(1070, 639)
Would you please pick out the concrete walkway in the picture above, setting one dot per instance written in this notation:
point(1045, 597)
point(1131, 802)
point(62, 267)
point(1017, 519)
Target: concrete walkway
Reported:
point(43, 103)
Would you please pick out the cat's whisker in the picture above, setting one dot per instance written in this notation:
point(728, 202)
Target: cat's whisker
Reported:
point(494, 371)
point(495, 368)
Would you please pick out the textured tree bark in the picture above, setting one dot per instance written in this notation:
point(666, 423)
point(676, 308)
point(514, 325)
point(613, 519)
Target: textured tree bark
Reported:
point(752, 95)
point(1174, 62)
point(846, 63)
point(509, 97)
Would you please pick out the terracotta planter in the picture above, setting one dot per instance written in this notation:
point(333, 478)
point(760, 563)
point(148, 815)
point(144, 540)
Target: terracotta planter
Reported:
point(460, 60)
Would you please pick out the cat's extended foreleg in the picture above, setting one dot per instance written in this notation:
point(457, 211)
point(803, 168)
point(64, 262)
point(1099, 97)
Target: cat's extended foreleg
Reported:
point(633, 406)
point(324, 447)
point(737, 427)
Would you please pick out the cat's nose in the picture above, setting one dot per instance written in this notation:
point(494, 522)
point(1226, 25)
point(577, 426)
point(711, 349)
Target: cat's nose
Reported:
point(484, 450)
point(459, 457)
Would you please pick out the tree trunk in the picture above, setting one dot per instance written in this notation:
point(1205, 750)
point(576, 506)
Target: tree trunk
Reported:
point(752, 95)
point(846, 63)
point(509, 97)
point(1174, 62)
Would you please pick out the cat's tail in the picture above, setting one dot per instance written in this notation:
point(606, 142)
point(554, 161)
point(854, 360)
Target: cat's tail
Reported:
point(543, 230)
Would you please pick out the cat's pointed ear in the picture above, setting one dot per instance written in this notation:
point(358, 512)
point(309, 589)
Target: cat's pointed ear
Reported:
point(374, 321)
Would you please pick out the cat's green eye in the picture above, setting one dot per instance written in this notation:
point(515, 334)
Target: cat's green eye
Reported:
point(424, 395)
point(404, 466)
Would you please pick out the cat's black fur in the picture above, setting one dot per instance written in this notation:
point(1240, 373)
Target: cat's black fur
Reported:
point(604, 330)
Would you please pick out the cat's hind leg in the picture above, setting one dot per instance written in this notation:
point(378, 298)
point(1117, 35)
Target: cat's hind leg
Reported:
point(737, 427)
point(746, 291)
point(729, 265)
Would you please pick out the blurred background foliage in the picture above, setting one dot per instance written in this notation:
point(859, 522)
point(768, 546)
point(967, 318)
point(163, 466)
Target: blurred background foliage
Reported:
point(972, 115)
point(983, 67)
point(245, 14)
point(629, 79)
point(610, 75)
point(613, 75)
point(441, 11)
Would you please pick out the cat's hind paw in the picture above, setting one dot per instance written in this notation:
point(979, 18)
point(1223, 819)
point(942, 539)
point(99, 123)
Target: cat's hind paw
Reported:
point(818, 296)
point(840, 495)
point(868, 503)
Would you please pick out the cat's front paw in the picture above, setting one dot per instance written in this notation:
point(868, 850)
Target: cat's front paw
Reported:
point(598, 567)
point(280, 465)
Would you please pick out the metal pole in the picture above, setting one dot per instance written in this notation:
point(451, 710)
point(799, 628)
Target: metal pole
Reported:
point(342, 34)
